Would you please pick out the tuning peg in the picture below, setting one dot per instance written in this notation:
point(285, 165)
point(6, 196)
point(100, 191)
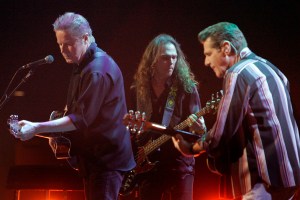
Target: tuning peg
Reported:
point(213, 101)
point(14, 117)
point(131, 113)
point(134, 129)
point(137, 115)
point(221, 92)
point(143, 117)
point(208, 103)
point(141, 128)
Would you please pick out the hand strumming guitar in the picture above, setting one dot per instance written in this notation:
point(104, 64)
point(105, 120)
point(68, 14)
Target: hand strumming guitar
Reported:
point(187, 148)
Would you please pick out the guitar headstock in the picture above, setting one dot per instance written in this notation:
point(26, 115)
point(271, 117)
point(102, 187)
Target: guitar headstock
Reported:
point(135, 121)
point(12, 122)
point(213, 104)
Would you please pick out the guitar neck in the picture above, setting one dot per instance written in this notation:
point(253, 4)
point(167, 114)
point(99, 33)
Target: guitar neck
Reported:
point(151, 146)
point(185, 123)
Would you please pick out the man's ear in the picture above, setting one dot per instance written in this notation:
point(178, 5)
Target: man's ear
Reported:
point(86, 38)
point(226, 47)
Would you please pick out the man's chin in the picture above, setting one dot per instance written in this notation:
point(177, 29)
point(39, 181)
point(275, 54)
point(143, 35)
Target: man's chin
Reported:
point(69, 61)
point(219, 75)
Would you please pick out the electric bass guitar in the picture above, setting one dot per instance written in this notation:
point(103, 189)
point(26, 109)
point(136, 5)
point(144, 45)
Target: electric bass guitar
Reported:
point(136, 123)
point(59, 142)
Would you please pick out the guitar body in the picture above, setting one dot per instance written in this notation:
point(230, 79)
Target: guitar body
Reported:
point(132, 178)
point(59, 144)
point(217, 165)
point(225, 157)
point(143, 165)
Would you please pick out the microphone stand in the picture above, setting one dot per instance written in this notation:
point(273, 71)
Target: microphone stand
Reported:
point(7, 97)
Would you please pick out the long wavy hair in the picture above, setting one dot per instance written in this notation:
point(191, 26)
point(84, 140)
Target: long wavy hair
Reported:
point(182, 75)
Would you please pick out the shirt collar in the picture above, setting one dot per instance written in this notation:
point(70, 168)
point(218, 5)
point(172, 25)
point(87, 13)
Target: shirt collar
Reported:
point(245, 52)
point(86, 58)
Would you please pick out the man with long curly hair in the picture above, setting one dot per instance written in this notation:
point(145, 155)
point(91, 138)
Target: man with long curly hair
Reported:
point(165, 89)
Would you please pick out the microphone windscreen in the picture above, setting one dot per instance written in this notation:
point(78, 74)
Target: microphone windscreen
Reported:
point(49, 59)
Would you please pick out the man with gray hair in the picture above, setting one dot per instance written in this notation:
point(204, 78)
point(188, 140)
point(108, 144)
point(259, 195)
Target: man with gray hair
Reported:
point(95, 109)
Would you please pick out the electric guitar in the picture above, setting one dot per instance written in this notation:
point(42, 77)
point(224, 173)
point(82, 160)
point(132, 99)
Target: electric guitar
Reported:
point(59, 142)
point(137, 124)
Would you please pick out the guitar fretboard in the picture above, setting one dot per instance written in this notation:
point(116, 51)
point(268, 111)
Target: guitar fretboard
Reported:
point(151, 146)
point(185, 123)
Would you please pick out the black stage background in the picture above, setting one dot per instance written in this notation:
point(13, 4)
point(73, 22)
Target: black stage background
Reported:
point(123, 29)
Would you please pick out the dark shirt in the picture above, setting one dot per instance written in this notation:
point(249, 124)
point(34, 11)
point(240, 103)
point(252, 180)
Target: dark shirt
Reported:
point(96, 103)
point(170, 159)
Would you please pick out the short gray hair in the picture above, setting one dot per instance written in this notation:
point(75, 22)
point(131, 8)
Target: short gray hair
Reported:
point(74, 24)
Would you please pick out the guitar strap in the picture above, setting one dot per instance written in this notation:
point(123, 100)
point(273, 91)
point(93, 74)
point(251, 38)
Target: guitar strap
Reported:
point(170, 104)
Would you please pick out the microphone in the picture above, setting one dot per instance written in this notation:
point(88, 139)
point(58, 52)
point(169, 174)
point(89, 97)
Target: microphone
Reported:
point(47, 60)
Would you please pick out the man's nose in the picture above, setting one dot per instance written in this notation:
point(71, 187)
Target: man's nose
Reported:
point(206, 62)
point(62, 48)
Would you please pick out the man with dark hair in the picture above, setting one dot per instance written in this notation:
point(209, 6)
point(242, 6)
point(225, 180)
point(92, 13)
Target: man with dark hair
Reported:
point(254, 143)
